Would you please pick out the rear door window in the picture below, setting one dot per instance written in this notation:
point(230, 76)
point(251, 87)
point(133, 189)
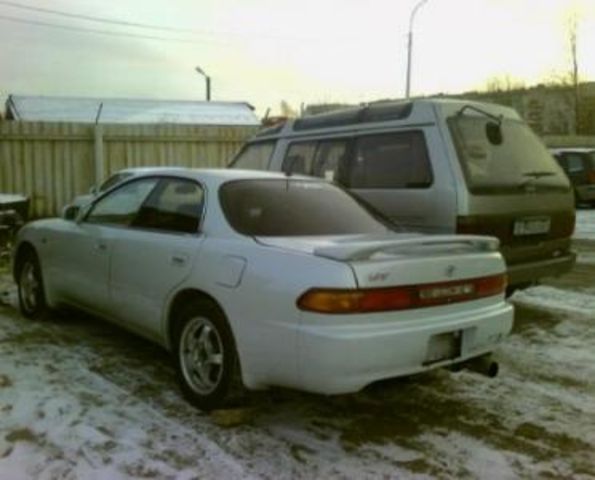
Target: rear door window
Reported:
point(254, 156)
point(330, 160)
point(299, 157)
point(320, 158)
point(394, 160)
point(175, 205)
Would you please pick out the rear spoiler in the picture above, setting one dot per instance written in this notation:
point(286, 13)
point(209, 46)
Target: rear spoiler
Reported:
point(354, 251)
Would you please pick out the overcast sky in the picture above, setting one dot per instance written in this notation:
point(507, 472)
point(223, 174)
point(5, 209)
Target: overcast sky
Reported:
point(265, 51)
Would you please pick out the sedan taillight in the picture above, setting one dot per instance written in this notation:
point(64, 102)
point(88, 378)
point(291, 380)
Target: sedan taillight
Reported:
point(341, 301)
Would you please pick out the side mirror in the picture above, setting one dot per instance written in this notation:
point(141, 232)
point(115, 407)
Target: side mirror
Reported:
point(70, 212)
point(94, 190)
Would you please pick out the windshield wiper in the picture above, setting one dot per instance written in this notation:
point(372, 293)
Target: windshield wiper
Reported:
point(493, 128)
point(497, 118)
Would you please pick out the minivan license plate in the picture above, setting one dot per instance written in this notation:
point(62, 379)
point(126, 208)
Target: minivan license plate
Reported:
point(532, 226)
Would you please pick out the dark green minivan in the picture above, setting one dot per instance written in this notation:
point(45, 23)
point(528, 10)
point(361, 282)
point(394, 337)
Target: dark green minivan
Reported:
point(438, 166)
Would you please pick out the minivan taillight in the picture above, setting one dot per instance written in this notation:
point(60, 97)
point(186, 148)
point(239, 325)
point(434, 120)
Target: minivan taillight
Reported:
point(365, 300)
point(569, 226)
point(591, 176)
point(495, 226)
point(467, 225)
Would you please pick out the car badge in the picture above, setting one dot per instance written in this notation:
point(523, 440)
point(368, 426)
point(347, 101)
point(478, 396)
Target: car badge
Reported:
point(378, 276)
point(450, 271)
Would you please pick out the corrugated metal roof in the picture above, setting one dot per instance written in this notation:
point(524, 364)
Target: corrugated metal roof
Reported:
point(110, 110)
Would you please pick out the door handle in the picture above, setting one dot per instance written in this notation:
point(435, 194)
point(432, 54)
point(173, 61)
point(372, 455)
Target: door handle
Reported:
point(101, 247)
point(178, 260)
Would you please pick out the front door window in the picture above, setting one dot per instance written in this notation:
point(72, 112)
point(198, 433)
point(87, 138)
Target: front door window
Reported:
point(121, 206)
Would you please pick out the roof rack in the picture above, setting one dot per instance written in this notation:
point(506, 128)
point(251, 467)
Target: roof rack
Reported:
point(380, 112)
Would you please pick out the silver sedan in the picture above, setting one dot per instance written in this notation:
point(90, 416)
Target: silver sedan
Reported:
point(255, 279)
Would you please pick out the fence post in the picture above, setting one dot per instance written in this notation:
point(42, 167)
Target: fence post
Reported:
point(99, 163)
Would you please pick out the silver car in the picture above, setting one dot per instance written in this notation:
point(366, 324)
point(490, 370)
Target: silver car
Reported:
point(255, 279)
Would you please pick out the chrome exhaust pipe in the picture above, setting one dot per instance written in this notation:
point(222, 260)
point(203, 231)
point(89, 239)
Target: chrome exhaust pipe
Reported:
point(482, 365)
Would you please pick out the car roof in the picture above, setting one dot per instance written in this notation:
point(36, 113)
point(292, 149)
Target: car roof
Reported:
point(140, 170)
point(572, 150)
point(221, 175)
point(383, 113)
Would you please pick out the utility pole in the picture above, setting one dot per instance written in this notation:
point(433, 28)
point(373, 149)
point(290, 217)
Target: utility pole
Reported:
point(410, 46)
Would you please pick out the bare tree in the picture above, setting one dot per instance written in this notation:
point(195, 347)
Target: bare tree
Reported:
point(569, 77)
point(503, 83)
point(572, 27)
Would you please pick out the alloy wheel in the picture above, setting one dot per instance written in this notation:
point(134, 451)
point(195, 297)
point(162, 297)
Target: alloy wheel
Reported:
point(30, 286)
point(201, 355)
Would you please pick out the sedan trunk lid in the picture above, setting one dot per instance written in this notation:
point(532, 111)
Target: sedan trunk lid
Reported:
point(405, 259)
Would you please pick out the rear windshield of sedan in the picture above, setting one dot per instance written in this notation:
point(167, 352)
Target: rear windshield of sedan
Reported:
point(294, 208)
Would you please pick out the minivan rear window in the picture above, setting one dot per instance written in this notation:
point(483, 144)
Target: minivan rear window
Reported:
point(518, 162)
point(292, 207)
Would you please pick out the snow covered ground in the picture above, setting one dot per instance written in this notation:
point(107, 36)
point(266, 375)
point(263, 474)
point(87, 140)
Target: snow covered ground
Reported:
point(80, 398)
point(585, 224)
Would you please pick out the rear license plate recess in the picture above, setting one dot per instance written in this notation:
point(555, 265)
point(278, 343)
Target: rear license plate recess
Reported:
point(532, 226)
point(444, 346)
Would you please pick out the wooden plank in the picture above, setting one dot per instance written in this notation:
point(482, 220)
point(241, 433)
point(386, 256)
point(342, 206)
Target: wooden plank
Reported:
point(53, 162)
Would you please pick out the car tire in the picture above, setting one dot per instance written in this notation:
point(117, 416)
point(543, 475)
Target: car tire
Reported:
point(206, 358)
point(31, 292)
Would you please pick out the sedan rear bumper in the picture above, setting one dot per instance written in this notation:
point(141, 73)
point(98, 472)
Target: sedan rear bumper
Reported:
point(335, 358)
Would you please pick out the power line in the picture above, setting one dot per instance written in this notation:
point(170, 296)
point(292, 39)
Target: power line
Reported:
point(126, 23)
point(103, 32)
point(91, 18)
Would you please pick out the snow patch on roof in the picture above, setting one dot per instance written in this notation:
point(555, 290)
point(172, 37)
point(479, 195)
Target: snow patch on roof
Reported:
point(111, 110)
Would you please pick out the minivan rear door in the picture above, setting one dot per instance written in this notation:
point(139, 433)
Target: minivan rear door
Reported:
point(512, 187)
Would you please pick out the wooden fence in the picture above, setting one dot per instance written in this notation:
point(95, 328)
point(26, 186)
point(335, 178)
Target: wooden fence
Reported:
point(54, 162)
